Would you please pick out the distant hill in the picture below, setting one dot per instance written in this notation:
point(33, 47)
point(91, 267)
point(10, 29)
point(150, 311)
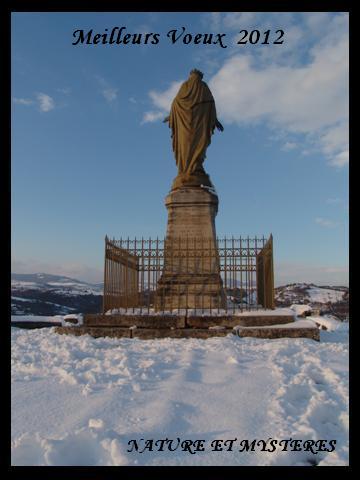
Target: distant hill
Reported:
point(328, 299)
point(45, 294)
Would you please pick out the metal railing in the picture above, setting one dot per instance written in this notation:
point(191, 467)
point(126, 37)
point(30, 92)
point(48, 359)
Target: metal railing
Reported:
point(182, 275)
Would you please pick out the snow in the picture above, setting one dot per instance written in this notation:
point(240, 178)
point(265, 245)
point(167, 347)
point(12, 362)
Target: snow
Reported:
point(300, 309)
point(23, 299)
point(36, 318)
point(327, 321)
point(310, 293)
point(324, 295)
point(79, 400)
point(267, 312)
point(210, 189)
point(24, 285)
point(64, 287)
point(66, 323)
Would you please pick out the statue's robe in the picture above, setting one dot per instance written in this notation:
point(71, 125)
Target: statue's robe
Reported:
point(192, 121)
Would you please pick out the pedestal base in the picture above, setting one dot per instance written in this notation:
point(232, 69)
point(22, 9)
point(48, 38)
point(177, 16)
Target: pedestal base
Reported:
point(191, 213)
point(201, 292)
point(191, 274)
point(192, 180)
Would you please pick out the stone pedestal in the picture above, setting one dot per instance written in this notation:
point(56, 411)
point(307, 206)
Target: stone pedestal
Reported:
point(191, 273)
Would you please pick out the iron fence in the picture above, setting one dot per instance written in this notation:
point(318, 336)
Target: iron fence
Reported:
point(178, 275)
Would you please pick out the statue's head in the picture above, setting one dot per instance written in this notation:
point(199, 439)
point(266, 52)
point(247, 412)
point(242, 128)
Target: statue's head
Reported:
point(195, 71)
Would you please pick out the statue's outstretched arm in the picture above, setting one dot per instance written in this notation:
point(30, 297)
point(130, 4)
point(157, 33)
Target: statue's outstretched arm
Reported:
point(166, 119)
point(218, 125)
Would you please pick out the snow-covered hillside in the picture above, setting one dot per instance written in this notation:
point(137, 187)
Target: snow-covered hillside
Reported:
point(80, 400)
point(60, 284)
point(310, 293)
point(332, 300)
point(45, 294)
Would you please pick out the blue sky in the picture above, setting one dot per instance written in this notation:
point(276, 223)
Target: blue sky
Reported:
point(91, 156)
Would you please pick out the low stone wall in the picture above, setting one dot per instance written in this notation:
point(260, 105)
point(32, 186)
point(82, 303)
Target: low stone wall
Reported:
point(172, 326)
point(148, 333)
point(115, 332)
point(143, 333)
point(145, 321)
point(180, 321)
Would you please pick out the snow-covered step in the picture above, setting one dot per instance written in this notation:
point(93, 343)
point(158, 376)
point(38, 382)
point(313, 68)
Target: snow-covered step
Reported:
point(34, 321)
point(243, 320)
point(150, 333)
point(114, 332)
point(122, 320)
point(31, 325)
point(301, 328)
point(194, 321)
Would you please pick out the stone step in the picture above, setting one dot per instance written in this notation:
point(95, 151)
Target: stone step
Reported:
point(264, 320)
point(234, 320)
point(181, 321)
point(146, 321)
point(280, 331)
point(292, 330)
point(143, 333)
point(115, 332)
point(149, 333)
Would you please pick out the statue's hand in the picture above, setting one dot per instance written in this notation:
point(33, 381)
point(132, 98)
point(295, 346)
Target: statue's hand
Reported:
point(219, 126)
point(166, 119)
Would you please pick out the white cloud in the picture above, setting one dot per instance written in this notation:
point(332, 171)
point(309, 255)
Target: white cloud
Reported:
point(46, 103)
point(110, 94)
point(310, 99)
point(143, 28)
point(107, 91)
point(152, 116)
point(340, 159)
point(65, 91)
point(305, 96)
point(212, 20)
point(289, 146)
point(239, 20)
point(326, 223)
point(162, 101)
point(23, 101)
point(300, 100)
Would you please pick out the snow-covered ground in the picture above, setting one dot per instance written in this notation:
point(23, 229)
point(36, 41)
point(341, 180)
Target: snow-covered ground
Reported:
point(38, 318)
point(301, 293)
point(324, 295)
point(57, 284)
point(80, 400)
point(63, 319)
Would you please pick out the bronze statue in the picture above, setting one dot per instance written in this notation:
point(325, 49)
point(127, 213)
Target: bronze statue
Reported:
point(192, 121)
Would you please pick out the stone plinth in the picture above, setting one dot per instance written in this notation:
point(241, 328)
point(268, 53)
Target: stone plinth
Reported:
point(178, 326)
point(279, 331)
point(191, 212)
point(191, 273)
